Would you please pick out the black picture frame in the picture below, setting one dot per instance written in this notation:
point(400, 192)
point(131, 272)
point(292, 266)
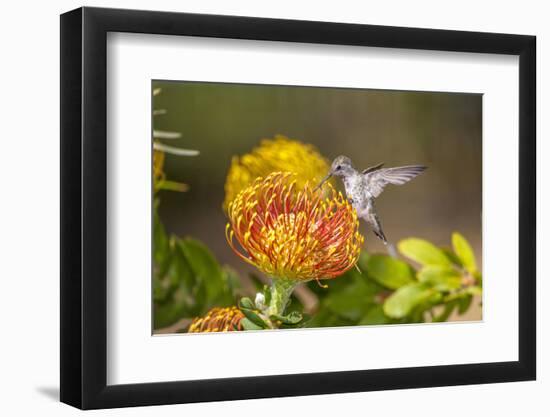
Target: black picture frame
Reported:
point(84, 207)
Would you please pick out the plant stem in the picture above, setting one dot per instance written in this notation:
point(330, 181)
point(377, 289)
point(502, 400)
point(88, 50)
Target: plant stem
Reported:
point(281, 289)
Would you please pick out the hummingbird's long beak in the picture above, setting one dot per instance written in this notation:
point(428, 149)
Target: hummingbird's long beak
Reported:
point(323, 181)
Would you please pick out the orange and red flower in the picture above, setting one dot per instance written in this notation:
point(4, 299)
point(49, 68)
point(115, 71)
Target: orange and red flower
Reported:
point(294, 233)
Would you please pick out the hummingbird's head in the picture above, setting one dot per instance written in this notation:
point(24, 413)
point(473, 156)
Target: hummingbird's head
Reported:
point(341, 167)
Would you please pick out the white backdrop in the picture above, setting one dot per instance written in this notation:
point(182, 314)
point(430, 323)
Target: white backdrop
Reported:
point(29, 213)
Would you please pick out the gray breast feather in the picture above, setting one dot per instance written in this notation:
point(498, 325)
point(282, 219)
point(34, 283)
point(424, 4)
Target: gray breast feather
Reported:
point(377, 180)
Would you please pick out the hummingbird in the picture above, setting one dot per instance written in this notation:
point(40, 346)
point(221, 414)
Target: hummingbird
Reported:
point(362, 188)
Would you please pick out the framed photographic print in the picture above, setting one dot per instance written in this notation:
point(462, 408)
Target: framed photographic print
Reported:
point(257, 208)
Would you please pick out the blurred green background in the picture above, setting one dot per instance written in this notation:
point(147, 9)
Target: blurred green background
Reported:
point(440, 130)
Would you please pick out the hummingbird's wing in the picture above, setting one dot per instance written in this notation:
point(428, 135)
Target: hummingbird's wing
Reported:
point(371, 169)
point(377, 180)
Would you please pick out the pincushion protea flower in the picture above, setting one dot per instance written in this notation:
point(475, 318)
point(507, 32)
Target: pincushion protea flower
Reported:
point(218, 320)
point(293, 233)
point(272, 155)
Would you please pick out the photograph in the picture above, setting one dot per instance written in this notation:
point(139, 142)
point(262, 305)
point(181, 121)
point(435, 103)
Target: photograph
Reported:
point(300, 207)
point(260, 207)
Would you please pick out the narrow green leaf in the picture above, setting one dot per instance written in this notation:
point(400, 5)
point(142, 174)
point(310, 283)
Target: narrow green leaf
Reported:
point(402, 301)
point(423, 252)
point(389, 272)
point(172, 186)
point(293, 318)
point(303, 322)
point(201, 300)
point(464, 252)
point(248, 325)
point(160, 240)
point(440, 277)
point(246, 303)
point(254, 318)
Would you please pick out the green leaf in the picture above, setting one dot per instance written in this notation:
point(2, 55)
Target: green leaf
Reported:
point(326, 318)
point(375, 315)
point(402, 301)
point(167, 314)
point(293, 318)
point(248, 325)
point(363, 260)
point(254, 318)
point(464, 304)
point(247, 303)
point(205, 268)
point(416, 315)
point(447, 311)
point(231, 277)
point(440, 277)
point(160, 240)
point(202, 303)
point(452, 257)
point(433, 299)
point(180, 271)
point(351, 301)
point(464, 252)
point(389, 272)
point(172, 186)
point(423, 252)
point(160, 292)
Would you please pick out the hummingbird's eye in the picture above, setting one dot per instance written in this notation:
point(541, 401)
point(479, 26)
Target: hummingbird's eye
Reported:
point(339, 167)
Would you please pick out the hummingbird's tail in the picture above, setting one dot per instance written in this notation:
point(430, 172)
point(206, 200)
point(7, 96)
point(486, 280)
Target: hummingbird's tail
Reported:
point(389, 247)
point(377, 226)
point(391, 250)
point(379, 233)
point(377, 229)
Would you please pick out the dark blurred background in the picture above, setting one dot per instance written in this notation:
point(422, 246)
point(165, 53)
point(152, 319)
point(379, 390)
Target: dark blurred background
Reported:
point(440, 130)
